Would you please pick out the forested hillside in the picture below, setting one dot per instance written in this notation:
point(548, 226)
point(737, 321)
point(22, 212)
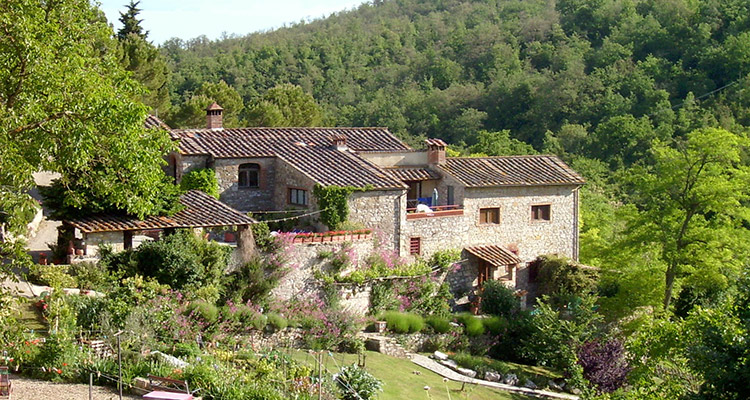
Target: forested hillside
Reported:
point(604, 77)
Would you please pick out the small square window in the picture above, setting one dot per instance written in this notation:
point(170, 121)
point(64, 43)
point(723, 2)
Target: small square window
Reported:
point(415, 246)
point(540, 212)
point(298, 197)
point(489, 215)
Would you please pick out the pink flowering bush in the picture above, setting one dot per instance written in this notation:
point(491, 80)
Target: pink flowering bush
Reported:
point(324, 328)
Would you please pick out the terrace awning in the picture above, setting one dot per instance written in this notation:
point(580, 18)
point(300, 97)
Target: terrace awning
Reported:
point(495, 255)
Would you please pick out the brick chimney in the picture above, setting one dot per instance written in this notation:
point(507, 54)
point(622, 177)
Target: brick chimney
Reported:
point(338, 142)
point(213, 116)
point(435, 151)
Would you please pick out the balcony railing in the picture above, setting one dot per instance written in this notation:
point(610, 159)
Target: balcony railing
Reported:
point(437, 211)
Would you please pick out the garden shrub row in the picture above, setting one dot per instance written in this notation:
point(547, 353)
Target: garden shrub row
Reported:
point(403, 322)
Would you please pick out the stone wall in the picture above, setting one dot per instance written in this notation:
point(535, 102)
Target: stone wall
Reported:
point(288, 177)
point(304, 261)
point(96, 239)
point(516, 229)
point(246, 199)
point(189, 163)
point(382, 211)
point(286, 338)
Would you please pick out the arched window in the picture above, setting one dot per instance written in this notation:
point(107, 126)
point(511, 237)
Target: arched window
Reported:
point(248, 176)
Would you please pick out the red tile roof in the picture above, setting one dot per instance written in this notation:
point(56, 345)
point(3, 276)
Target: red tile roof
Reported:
point(307, 149)
point(201, 210)
point(511, 171)
point(413, 174)
point(495, 255)
point(435, 142)
point(357, 139)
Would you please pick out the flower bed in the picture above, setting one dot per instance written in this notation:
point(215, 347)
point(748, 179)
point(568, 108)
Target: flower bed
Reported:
point(332, 236)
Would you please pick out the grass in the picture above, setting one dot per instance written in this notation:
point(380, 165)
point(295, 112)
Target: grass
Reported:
point(30, 317)
point(400, 381)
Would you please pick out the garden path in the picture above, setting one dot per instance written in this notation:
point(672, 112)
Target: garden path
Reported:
point(34, 389)
point(446, 372)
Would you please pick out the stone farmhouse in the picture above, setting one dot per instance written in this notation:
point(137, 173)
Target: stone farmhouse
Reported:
point(503, 212)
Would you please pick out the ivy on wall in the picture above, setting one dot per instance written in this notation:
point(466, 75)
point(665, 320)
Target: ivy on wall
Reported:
point(333, 203)
point(203, 179)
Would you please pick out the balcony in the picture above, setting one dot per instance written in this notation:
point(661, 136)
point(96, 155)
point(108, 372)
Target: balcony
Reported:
point(435, 212)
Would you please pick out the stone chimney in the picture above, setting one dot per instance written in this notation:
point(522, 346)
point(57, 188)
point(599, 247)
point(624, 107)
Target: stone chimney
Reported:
point(213, 116)
point(435, 151)
point(338, 142)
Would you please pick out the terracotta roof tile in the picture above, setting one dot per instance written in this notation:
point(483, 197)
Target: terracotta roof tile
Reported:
point(307, 149)
point(201, 210)
point(435, 142)
point(413, 174)
point(495, 255)
point(357, 139)
point(511, 171)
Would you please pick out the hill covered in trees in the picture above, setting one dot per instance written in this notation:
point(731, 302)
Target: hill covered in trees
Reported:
point(599, 78)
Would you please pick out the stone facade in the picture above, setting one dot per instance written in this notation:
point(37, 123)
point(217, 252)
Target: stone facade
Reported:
point(382, 211)
point(96, 239)
point(385, 212)
point(304, 261)
point(251, 198)
point(189, 163)
point(288, 177)
point(516, 229)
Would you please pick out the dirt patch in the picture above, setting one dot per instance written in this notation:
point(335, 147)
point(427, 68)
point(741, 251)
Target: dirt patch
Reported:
point(34, 389)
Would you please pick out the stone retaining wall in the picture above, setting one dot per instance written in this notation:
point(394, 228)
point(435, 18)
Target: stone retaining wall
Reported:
point(300, 283)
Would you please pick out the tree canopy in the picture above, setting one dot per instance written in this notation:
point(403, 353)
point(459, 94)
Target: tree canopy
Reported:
point(66, 105)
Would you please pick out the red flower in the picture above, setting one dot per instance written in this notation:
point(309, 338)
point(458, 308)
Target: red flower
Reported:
point(65, 364)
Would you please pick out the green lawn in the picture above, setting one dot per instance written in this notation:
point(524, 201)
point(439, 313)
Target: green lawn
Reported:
point(30, 317)
point(400, 381)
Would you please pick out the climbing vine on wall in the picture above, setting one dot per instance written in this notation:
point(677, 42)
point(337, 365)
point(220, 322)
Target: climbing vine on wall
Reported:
point(333, 201)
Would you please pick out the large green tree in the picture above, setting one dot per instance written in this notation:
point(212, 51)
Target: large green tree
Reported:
point(66, 106)
point(692, 202)
point(131, 25)
point(285, 105)
point(192, 112)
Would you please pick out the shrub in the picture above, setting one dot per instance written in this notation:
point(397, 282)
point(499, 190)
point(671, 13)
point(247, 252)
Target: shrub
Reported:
point(51, 275)
point(201, 179)
point(439, 324)
point(382, 298)
point(357, 384)
point(206, 312)
point(416, 323)
point(352, 345)
point(397, 322)
point(259, 321)
point(444, 259)
point(262, 236)
point(188, 349)
point(90, 275)
point(178, 260)
point(253, 281)
point(498, 299)
point(277, 321)
point(495, 325)
point(472, 325)
point(561, 280)
point(604, 364)
point(556, 336)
